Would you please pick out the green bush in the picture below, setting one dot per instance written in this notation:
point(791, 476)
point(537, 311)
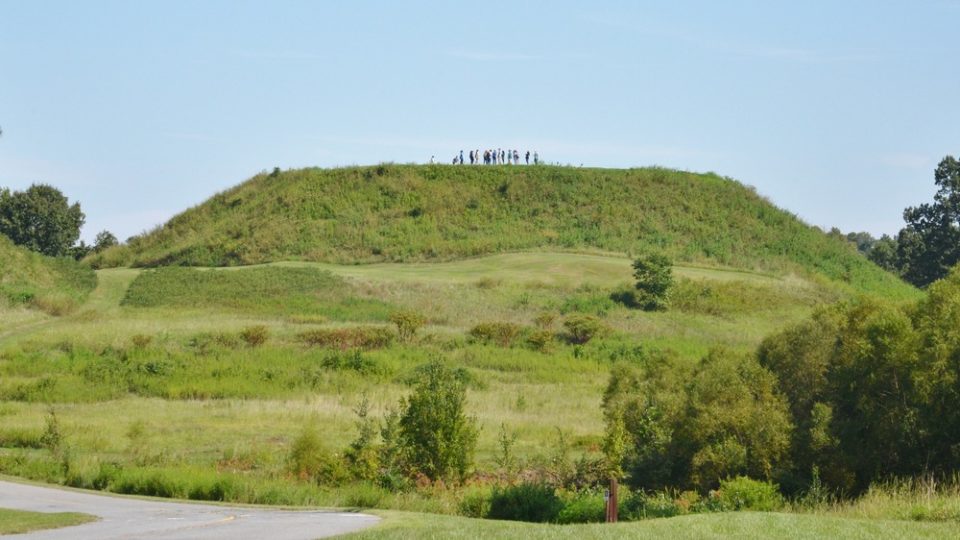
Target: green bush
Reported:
point(408, 322)
point(536, 503)
point(501, 333)
point(654, 505)
point(585, 507)
point(474, 504)
point(582, 328)
point(743, 493)
point(357, 337)
point(309, 460)
point(255, 336)
point(437, 438)
point(540, 340)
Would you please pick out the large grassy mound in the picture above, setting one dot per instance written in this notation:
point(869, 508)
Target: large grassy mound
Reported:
point(393, 213)
point(53, 285)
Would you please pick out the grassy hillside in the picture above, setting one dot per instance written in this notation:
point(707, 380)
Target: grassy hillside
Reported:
point(53, 285)
point(393, 213)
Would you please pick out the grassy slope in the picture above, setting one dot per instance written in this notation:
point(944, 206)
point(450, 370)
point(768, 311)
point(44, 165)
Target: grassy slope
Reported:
point(248, 438)
point(28, 279)
point(434, 213)
point(725, 525)
point(20, 521)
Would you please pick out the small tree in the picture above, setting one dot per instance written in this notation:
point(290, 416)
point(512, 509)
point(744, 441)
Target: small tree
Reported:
point(654, 275)
point(104, 240)
point(582, 328)
point(437, 437)
point(40, 219)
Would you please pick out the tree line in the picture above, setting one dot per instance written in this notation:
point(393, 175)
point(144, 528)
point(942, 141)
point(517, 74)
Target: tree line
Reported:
point(929, 245)
point(41, 219)
point(861, 391)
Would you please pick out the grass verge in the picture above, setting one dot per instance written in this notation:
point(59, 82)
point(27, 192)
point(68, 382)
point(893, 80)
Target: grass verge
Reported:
point(21, 521)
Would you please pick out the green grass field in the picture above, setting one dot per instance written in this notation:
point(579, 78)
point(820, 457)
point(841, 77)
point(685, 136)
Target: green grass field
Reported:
point(157, 393)
point(20, 521)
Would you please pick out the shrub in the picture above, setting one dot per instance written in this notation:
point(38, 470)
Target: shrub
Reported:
point(536, 503)
point(362, 337)
point(744, 493)
point(474, 504)
point(435, 434)
point(582, 328)
point(650, 506)
point(408, 322)
point(540, 340)
point(501, 333)
point(254, 336)
point(308, 459)
point(586, 507)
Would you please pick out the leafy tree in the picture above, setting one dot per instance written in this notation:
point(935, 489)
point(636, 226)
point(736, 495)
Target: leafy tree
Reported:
point(654, 275)
point(104, 240)
point(693, 426)
point(930, 243)
point(873, 388)
point(437, 438)
point(883, 253)
point(40, 219)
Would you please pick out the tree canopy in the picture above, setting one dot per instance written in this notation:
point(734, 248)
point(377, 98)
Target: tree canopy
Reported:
point(930, 243)
point(40, 219)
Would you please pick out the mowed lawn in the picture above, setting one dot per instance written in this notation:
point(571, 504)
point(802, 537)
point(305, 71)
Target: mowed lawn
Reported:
point(770, 525)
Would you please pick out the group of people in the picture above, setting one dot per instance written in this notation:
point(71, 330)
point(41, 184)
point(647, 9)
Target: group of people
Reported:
point(494, 157)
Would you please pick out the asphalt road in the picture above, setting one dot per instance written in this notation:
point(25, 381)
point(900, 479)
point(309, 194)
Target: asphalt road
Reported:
point(131, 518)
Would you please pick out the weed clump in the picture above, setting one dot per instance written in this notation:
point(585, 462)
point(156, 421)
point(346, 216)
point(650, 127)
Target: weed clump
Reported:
point(255, 336)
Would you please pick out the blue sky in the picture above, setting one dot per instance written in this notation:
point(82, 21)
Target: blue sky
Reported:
point(836, 110)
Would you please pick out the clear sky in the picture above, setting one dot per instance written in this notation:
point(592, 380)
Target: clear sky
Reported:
point(836, 110)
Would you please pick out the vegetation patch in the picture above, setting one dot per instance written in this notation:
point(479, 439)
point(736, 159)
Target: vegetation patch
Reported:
point(272, 290)
point(53, 285)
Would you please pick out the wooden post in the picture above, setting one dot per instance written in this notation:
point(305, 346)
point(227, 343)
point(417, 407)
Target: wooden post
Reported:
point(612, 501)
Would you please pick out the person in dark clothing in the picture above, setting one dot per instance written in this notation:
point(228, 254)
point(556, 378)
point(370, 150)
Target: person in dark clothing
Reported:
point(528, 157)
point(461, 157)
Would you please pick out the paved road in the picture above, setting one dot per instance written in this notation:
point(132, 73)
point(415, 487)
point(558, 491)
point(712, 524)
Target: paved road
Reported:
point(129, 518)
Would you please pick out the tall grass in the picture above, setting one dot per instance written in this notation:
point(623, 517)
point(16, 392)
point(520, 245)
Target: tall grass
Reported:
point(53, 285)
